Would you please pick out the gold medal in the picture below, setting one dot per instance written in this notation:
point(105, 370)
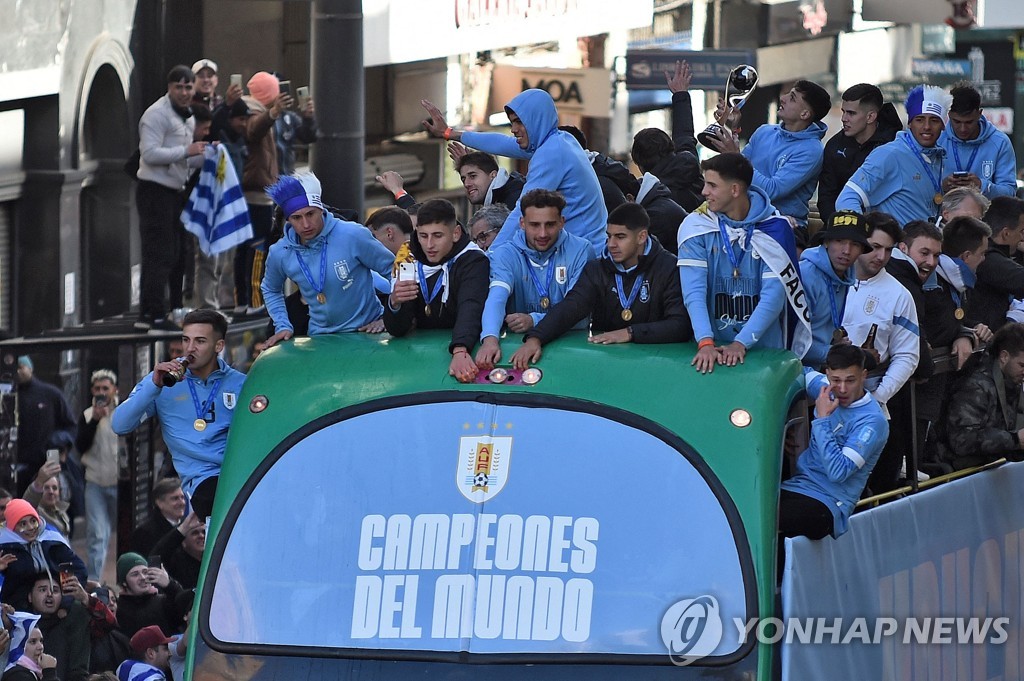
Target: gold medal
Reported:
point(838, 335)
point(937, 199)
point(199, 425)
point(959, 313)
point(321, 298)
point(545, 302)
point(426, 310)
point(627, 314)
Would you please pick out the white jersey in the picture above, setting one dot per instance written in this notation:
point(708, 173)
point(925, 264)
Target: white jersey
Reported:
point(883, 300)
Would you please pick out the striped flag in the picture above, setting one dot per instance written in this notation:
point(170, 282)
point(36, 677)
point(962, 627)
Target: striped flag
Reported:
point(23, 624)
point(216, 211)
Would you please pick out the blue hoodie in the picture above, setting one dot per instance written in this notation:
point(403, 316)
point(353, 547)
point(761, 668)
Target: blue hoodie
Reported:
point(197, 455)
point(894, 181)
point(989, 156)
point(352, 255)
point(844, 447)
point(510, 277)
point(819, 278)
point(557, 163)
point(747, 308)
point(787, 165)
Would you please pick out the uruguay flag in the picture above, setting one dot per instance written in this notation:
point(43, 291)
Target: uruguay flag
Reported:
point(23, 623)
point(216, 211)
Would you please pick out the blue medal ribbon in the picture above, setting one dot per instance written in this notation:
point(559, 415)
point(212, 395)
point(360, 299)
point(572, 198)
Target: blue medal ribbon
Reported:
point(837, 314)
point(543, 292)
point(736, 252)
point(202, 409)
point(970, 161)
point(323, 269)
point(628, 302)
point(919, 155)
point(423, 284)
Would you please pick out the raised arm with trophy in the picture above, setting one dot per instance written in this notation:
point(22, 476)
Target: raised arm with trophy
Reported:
point(738, 87)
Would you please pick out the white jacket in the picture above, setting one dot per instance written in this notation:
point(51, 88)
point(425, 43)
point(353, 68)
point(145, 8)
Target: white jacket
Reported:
point(163, 146)
point(884, 301)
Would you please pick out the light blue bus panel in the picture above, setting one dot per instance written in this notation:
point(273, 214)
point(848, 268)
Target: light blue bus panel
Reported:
point(440, 526)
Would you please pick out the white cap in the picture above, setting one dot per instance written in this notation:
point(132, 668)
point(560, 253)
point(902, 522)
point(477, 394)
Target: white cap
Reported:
point(204, 64)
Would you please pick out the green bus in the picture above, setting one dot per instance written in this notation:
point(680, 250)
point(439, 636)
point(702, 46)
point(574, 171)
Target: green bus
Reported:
point(602, 515)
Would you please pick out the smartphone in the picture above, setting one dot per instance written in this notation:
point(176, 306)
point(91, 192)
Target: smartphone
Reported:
point(961, 174)
point(302, 94)
point(407, 271)
point(52, 456)
point(154, 561)
point(101, 400)
point(67, 574)
point(236, 79)
point(286, 87)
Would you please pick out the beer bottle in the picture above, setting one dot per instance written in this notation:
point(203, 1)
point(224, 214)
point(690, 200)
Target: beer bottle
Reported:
point(172, 377)
point(869, 342)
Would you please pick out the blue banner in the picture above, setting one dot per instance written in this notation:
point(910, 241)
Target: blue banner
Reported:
point(464, 527)
point(928, 587)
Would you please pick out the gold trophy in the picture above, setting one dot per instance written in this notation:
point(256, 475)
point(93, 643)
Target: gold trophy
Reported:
point(741, 82)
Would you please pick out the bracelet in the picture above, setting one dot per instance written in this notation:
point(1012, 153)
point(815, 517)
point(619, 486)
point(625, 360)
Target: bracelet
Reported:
point(447, 133)
point(458, 350)
point(705, 342)
point(400, 193)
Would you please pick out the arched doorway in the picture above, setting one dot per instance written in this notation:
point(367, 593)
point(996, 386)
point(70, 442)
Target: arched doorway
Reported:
point(107, 213)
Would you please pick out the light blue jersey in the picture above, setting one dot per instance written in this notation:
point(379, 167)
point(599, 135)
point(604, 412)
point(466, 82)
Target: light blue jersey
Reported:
point(989, 156)
point(737, 298)
point(343, 257)
point(826, 295)
point(787, 165)
point(527, 276)
point(844, 447)
point(557, 163)
point(197, 454)
point(899, 178)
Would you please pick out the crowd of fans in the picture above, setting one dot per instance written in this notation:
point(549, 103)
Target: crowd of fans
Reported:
point(906, 276)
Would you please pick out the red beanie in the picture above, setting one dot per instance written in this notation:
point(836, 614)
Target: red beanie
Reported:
point(16, 510)
point(264, 87)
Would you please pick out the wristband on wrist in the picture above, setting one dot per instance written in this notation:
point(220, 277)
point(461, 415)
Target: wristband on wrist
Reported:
point(400, 193)
point(456, 351)
point(705, 342)
point(448, 133)
point(629, 330)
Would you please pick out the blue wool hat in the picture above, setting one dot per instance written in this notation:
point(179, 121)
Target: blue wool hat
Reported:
point(295, 192)
point(928, 100)
point(25, 361)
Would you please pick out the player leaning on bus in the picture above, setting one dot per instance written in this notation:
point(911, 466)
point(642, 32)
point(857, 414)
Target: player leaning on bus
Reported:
point(847, 436)
point(196, 411)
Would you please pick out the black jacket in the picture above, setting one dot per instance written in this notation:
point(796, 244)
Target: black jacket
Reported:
point(468, 277)
point(1000, 278)
point(182, 567)
point(67, 639)
point(146, 535)
point(666, 215)
point(617, 183)
point(659, 315)
point(136, 612)
point(906, 274)
point(681, 171)
point(844, 155)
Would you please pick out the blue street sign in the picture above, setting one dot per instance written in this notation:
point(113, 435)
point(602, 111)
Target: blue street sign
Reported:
point(645, 69)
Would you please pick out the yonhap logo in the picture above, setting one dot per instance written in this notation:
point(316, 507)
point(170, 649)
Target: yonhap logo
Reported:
point(691, 629)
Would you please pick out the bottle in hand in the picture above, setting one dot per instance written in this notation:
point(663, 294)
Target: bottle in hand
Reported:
point(170, 378)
